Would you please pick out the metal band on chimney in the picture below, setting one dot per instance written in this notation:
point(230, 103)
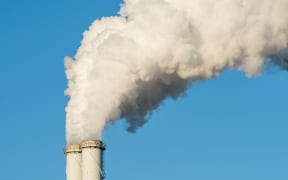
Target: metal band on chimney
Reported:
point(73, 148)
point(93, 144)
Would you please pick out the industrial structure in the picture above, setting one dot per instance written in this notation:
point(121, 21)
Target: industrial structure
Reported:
point(85, 161)
point(73, 162)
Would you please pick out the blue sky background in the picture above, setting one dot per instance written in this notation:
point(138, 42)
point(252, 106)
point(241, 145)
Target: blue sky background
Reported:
point(226, 128)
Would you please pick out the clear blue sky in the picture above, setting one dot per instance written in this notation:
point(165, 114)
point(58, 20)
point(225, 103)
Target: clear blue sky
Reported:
point(229, 128)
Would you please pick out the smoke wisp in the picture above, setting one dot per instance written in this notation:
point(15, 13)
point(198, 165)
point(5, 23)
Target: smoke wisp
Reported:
point(128, 64)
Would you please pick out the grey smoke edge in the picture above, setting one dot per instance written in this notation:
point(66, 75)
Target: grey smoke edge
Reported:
point(281, 59)
point(150, 96)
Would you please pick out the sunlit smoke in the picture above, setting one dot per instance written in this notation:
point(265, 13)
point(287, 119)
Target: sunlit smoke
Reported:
point(128, 64)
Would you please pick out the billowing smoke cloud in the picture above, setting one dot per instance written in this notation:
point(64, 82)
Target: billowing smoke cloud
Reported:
point(126, 65)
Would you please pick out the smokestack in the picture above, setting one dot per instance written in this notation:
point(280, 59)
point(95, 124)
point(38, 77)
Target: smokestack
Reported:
point(73, 162)
point(92, 151)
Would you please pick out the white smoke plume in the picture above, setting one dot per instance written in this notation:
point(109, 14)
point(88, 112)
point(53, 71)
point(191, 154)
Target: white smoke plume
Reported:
point(126, 65)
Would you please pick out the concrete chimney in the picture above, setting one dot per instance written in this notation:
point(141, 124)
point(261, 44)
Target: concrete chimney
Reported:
point(73, 162)
point(92, 151)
